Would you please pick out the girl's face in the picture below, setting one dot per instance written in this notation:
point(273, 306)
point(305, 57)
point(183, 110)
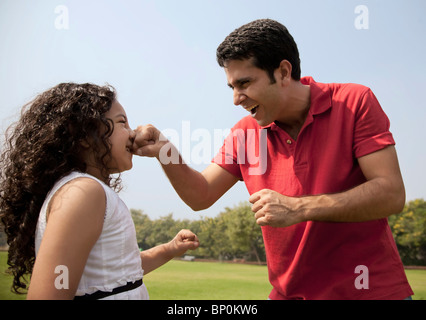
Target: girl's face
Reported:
point(121, 140)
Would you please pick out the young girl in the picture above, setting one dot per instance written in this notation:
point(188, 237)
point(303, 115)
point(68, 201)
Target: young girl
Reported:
point(65, 224)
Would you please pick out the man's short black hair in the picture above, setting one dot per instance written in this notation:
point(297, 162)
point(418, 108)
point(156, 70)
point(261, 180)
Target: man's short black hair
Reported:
point(267, 41)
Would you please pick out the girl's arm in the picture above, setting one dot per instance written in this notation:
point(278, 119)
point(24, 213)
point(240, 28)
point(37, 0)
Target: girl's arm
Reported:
point(75, 221)
point(155, 257)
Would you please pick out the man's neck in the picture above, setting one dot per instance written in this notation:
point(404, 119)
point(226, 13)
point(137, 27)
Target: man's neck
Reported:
point(296, 110)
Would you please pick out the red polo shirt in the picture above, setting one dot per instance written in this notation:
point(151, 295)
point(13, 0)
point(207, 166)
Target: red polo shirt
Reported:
point(320, 260)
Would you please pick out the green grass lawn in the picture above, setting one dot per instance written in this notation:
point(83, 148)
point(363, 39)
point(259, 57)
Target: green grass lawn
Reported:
point(182, 280)
point(417, 280)
point(6, 281)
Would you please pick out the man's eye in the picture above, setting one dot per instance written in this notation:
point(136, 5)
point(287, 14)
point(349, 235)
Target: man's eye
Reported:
point(244, 84)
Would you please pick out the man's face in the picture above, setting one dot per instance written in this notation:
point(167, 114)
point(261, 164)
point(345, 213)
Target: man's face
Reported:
point(253, 90)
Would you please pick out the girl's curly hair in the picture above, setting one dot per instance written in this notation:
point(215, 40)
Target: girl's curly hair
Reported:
point(43, 146)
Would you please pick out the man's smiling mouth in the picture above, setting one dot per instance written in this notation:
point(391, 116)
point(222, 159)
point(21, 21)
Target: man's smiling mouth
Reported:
point(252, 109)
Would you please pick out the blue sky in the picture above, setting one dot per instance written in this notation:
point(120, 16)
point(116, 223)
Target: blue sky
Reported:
point(160, 56)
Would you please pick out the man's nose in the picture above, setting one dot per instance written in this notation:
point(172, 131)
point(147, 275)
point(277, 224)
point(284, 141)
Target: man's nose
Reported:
point(238, 97)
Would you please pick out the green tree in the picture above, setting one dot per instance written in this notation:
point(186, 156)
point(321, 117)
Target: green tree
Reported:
point(143, 226)
point(214, 241)
point(232, 234)
point(162, 230)
point(244, 234)
point(409, 231)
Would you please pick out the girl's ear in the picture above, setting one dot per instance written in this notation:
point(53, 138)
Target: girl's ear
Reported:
point(84, 144)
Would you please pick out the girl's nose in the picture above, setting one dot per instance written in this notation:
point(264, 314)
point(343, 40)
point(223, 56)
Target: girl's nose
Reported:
point(132, 134)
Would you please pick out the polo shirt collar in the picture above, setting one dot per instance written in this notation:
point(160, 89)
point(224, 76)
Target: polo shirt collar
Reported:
point(320, 98)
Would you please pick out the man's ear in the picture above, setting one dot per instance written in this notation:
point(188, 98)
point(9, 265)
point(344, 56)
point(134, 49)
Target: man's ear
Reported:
point(283, 72)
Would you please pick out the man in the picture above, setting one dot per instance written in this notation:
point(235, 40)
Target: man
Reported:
point(326, 177)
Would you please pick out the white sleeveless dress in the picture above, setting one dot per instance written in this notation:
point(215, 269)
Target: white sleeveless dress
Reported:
point(115, 258)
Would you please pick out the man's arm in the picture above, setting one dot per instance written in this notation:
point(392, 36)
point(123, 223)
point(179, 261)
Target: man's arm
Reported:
point(199, 190)
point(382, 195)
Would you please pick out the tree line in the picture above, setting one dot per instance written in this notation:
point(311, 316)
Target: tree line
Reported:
point(409, 231)
point(234, 234)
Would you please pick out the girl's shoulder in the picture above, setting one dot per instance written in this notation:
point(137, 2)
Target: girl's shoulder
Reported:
point(77, 176)
point(78, 187)
point(77, 191)
point(81, 180)
point(81, 186)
